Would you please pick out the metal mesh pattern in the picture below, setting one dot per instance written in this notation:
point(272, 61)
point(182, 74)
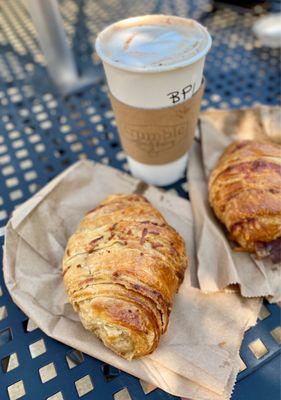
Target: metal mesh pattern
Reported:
point(41, 134)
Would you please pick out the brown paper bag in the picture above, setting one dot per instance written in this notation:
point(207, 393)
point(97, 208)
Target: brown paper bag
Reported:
point(218, 266)
point(197, 357)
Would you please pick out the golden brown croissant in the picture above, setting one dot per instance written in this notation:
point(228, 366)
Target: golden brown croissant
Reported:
point(244, 191)
point(122, 268)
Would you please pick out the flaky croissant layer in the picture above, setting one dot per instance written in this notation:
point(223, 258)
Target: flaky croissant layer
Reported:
point(122, 268)
point(245, 193)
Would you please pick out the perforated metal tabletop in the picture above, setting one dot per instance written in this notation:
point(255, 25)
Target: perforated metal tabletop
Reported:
point(42, 133)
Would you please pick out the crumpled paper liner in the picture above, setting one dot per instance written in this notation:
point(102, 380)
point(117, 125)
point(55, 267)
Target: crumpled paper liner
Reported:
point(218, 266)
point(197, 357)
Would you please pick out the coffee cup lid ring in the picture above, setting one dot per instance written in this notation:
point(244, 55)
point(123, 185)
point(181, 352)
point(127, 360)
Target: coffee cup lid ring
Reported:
point(152, 69)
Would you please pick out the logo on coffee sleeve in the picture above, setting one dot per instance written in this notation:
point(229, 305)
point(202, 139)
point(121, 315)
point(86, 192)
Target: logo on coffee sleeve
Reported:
point(151, 140)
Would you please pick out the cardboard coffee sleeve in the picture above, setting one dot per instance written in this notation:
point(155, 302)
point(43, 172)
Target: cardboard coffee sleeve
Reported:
point(157, 136)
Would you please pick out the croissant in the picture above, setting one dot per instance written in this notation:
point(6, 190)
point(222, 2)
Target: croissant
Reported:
point(122, 268)
point(244, 191)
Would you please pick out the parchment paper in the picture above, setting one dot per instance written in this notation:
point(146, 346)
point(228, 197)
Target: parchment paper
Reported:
point(217, 265)
point(197, 357)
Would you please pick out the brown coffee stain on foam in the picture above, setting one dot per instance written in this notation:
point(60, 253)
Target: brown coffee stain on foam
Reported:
point(128, 41)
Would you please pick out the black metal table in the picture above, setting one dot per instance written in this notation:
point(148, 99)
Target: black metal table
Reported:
point(42, 133)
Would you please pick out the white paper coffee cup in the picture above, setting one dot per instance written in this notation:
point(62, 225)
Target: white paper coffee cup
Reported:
point(154, 81)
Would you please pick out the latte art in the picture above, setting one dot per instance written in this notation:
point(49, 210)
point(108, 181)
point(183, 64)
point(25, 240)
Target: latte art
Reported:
point(149, 45)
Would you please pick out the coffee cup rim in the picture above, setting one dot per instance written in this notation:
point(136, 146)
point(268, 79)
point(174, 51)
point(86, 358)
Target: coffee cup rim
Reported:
point(155, 68)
